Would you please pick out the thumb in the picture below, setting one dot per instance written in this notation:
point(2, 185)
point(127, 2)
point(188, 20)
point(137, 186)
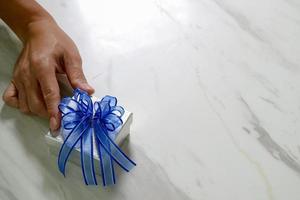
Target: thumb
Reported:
point(10, 95)
point(73, 69)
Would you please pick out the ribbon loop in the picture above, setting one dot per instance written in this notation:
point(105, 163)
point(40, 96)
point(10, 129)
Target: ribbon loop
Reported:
point(84, 123)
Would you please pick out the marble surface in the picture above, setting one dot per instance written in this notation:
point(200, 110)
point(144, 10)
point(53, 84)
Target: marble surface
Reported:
point(214, 86)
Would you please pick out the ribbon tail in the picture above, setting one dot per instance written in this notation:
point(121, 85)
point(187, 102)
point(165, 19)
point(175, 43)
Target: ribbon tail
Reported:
point(69, 144)
point(87, 157)
point(107, 168)
point(112, 149)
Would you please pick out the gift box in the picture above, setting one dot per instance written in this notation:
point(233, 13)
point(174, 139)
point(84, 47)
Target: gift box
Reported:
point(118, 136)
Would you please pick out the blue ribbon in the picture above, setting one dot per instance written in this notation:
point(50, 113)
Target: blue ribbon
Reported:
point(84, 122)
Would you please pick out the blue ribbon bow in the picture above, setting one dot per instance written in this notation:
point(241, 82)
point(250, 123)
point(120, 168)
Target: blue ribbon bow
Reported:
point(84, 122)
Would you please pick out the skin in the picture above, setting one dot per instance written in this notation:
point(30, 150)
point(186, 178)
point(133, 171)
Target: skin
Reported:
point(47, 50)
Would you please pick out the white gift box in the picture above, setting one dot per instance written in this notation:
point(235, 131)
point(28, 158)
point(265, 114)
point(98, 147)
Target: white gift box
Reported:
point(121, 134)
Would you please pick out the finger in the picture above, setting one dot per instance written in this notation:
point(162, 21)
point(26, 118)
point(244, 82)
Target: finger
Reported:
point(23, 106)
point(35, 98)
point(75, 74)
point(10, 96)
point(50, 91)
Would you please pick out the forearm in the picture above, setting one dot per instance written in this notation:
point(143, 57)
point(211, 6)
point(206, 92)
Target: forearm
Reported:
point(19, 14)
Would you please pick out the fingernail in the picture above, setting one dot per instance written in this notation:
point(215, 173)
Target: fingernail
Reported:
point(53, 124)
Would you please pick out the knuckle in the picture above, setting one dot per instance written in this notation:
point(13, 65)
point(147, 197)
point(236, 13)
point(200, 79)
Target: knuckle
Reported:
point(48, 92)
point(39, 65)
point(5, 97)
point(36, 61)
point(49, 95)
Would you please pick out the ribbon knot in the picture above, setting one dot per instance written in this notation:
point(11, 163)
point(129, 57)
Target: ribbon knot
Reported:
point(84, 124)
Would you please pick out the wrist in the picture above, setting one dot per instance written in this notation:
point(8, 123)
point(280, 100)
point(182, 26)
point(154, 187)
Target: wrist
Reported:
point(36, 25)
point(19, 15)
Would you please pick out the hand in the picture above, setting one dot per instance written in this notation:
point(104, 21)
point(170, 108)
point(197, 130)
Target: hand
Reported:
point(34, 88)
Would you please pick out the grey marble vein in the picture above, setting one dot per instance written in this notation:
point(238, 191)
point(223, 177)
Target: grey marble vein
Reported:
point(269, 144)
point(241, 20)
point(239, 148)
point(250, 28)
point(268, 85)
point(246, 130)
point(272, 103)
point(7, 194)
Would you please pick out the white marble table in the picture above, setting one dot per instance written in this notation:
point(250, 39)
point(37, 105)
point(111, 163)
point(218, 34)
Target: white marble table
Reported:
point(214, 86)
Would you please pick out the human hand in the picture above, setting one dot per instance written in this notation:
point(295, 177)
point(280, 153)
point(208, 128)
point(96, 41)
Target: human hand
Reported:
point(34, 88)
